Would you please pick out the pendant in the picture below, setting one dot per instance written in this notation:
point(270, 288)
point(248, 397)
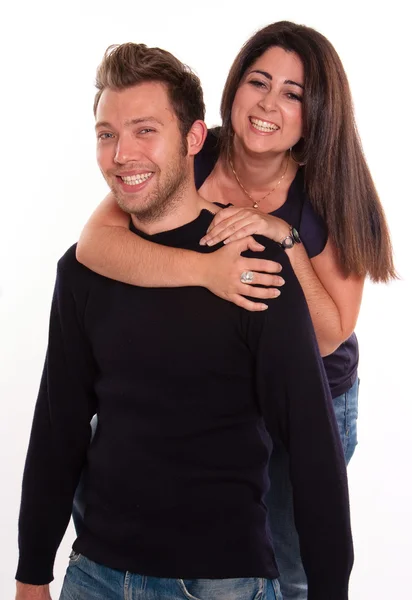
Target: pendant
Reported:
point(255, 205)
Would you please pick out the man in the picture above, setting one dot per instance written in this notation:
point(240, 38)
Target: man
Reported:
point(186, 387)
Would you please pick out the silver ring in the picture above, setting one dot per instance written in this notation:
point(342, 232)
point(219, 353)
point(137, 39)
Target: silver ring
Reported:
point(247, 277)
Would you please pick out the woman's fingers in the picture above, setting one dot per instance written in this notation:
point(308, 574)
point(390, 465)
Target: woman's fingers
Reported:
point(231, 230)
point(222, 215)
point(249, 305)
point(266, 280)
point(249, 229)
point(225, 269)
point(263, 293)
point(261, 264)
point(225, 229)
point(260, 293)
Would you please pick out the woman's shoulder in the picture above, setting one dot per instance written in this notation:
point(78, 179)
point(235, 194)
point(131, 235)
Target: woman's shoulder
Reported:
point(311, 226)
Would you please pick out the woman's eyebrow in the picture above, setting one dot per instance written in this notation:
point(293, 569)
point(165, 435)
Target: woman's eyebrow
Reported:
point(264, 73)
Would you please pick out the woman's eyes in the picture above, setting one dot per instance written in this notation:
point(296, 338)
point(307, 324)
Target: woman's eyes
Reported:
point(257, 83)
point(262, 85)
point(293, 96)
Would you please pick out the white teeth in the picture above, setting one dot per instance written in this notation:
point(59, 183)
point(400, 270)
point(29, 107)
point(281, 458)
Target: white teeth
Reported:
point(136, 179)
point(263, 125)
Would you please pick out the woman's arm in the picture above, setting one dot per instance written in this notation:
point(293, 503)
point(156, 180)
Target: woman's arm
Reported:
point(108, 247)
point(333, 299)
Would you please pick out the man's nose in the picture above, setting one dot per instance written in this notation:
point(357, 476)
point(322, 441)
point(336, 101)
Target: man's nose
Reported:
point(127, 150)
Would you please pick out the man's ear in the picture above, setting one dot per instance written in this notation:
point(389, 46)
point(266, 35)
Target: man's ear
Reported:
point(196, 137)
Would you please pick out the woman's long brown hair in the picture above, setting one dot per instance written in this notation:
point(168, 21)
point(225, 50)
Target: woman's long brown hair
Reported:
point(337, 178)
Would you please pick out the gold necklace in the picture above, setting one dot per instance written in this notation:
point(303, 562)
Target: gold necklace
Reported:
point(256, 202)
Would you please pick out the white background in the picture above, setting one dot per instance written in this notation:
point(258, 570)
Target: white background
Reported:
point(50, 184)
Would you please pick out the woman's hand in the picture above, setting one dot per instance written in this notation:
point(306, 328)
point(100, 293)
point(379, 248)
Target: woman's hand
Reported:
point(223, 268)
point(232, 224)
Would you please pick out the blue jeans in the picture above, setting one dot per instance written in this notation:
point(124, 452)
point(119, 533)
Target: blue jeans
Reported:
point(292, 579)
point(86, 580)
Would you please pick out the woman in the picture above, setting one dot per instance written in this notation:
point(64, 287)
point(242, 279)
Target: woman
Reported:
point(287, 155)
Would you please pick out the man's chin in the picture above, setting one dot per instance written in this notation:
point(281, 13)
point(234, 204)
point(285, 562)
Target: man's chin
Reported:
point(144, 209)
point(129, 203)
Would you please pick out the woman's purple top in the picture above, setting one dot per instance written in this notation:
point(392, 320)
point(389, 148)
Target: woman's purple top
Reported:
point(341, 366)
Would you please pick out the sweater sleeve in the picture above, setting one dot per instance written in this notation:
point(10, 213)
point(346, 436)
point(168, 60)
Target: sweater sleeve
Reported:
point(60, 434)
point(295, 401)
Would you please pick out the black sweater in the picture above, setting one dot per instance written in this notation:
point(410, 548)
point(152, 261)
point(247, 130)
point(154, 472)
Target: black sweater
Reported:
point(184, 385)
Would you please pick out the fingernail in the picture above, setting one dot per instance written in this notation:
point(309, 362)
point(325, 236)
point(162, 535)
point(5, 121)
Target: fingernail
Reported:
point(210, 243)
point(226, 241)
point(202, 243)
point(276, 293)
point(264, 307)
point(281, 281)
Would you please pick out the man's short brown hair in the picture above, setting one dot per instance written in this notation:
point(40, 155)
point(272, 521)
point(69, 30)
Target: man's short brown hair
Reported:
point(126, 65)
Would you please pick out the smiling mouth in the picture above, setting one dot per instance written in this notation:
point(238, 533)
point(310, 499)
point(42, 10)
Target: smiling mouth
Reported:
point(135, 179)
point(265, 126)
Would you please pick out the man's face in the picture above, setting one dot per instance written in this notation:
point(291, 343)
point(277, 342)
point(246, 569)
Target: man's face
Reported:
point(140, 149)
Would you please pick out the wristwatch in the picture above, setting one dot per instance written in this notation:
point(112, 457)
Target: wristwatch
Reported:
point(290, 240)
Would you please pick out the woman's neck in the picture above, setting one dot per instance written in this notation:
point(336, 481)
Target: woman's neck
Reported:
point(259, 172)
point(258, 175)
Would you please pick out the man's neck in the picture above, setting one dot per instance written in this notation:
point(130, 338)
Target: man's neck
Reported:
point(183, 210)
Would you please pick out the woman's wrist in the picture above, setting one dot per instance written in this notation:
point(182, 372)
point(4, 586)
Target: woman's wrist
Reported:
point(203, 270)
point(198, 267)
point(279, 230)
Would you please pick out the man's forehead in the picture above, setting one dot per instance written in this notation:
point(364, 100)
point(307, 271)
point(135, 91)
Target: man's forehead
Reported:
point(143, 102)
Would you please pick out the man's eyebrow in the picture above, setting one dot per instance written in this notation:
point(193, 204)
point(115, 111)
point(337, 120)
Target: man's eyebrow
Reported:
point(269, 76)
point(143, 120)
point(131, 122)
point(102, 124)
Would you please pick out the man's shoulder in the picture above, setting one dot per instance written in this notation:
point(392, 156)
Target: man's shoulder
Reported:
point(272, 251)
point(72, 270)
point(68, 260)
point(68, 263)
point(291, 293)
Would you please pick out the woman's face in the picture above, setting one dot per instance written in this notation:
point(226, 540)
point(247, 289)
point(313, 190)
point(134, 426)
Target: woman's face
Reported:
point(267, 109)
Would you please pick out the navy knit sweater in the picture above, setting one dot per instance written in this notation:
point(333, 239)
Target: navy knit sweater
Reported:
point(188, 389)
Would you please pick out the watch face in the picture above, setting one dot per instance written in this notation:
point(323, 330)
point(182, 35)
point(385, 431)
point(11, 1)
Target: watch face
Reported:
point(288, 242)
